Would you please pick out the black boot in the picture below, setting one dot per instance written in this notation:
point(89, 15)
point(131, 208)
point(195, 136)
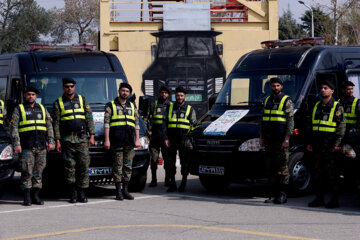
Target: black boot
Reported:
point(183, 184)
point(271, 192)
point(167, 180)
point(172, 185)
point(81, 195)
point(281, 196)
point(27, 198)
point(318, 201)
point(36, 197)
point(153, 174)
point(73, 196)
point(125, 192)
point(119, 195)
point(334, 201)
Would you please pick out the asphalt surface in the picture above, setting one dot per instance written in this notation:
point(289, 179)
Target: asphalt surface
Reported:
point(239, 213)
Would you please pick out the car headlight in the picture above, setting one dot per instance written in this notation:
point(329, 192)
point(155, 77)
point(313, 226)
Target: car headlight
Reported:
point(144, 142)
point(7, 153)
point(251, 145)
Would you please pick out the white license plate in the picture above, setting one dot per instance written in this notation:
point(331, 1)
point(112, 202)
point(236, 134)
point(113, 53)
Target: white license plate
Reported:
point(212, 170)
point(100, 171)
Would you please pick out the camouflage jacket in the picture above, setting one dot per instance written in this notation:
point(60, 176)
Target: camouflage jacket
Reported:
point(90, 126)
point(14, 127)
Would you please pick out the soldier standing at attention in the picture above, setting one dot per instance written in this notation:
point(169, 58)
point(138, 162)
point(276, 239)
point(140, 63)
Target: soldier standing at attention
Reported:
point(351, 110)
point(156, 129)
point(121, 124)
point(328, 130)
point(276, 128)
point(181, 118)
point(32, 135)
point(73, 121)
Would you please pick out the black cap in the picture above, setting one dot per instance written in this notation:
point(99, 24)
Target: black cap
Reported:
point(126, 85)
point(347, 84)
point(276, 80)
point(180, 89)
point(67, 80)
point(31, 89)
point(328, 83)
point(164, 88)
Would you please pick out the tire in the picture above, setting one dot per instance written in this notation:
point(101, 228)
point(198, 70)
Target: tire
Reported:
point(137, 183)
point(214, 183)
point(300, 176)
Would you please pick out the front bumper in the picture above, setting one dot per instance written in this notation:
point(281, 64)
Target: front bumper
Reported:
point(7, 169)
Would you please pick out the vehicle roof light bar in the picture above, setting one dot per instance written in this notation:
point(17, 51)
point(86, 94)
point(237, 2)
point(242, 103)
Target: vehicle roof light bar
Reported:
point(293, 42)
point(53, 47)
point(313, 41)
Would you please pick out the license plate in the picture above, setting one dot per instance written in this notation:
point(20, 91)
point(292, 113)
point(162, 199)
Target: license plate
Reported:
point(100, 171)
point(213, 170)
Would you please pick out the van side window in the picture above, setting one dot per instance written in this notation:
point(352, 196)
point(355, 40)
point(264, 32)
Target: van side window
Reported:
point(3, 81)
point(355, 78)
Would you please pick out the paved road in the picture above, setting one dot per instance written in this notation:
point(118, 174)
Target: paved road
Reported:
point(237, 214)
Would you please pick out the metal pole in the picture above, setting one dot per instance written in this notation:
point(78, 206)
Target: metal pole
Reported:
point(312, 16)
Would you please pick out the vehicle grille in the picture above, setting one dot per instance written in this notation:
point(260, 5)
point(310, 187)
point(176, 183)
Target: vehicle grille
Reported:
point(216, 145)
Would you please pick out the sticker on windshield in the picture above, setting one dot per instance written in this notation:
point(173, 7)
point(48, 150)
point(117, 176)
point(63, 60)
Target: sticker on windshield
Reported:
point(222, 125)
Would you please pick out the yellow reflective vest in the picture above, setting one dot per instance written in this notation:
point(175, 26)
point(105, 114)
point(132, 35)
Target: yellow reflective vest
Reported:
point(72, 115)
point(324, 122)
point(2, 109)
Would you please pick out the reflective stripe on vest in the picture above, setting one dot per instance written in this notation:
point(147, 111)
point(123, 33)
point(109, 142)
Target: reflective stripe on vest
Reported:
point(122, 120)
point(322, 125)
point(71, 114)
point(2, 112)
point(32, 125)
point(351, 118)
point(174, 122)
point(276, 115)
point(156, 118)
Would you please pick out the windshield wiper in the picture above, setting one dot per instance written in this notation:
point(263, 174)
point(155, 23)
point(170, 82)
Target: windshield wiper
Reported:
point(252, 103)
point(99, 103)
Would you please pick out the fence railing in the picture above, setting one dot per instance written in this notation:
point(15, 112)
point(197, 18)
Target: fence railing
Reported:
point(152, 10)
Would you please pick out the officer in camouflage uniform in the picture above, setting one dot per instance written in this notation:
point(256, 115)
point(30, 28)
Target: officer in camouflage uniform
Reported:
point(156, 128)
point(3, 119)
point(276, 129)
point(73, 121)
point(181, 118)
point(121, 128)
point(32, 135)
point(328, 130)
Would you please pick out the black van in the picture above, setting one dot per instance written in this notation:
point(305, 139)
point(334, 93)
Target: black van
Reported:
point(231, 152)
point(98, 75)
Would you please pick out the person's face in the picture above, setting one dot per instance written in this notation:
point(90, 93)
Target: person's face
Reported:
point(30, 97)
point(276, 88)
point(69, 88)
point(180, 97)
point(349, 91)
point(164, 95)
point(326, 91)
point(124, 93)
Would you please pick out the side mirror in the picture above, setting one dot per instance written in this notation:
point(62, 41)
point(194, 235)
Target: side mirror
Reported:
point(219, 49)
point(144, 103)
point(153, 50)
point(212, 100)
point(11, 103)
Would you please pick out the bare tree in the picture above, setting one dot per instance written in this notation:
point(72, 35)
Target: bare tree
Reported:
point(79, 17)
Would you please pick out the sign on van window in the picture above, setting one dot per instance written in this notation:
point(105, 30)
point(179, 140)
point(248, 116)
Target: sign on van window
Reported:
point(355, 79)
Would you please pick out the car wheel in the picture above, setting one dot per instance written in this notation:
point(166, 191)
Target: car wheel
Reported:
point(214, 183)
point(300, 176)
point(137, 183)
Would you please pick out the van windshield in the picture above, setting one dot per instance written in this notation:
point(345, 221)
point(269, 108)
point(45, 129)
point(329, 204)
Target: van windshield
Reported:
point(98, 88)
point(252, 88)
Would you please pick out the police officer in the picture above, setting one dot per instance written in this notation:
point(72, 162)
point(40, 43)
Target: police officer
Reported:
point(328, 129)
point(73, 121)
point(121, 123)
point(156, 125)
point(32, 135)
point(180, 119)
point(351, 109)
point(276, 128)
point(3, 118)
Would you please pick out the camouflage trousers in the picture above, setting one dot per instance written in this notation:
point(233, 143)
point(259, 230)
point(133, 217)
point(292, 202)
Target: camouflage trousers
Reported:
point(155, 149)
point(122, 163)
point(277, 159)
point(324, 170)
point(176, 146)
point(33, 162)
point(77, 160)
